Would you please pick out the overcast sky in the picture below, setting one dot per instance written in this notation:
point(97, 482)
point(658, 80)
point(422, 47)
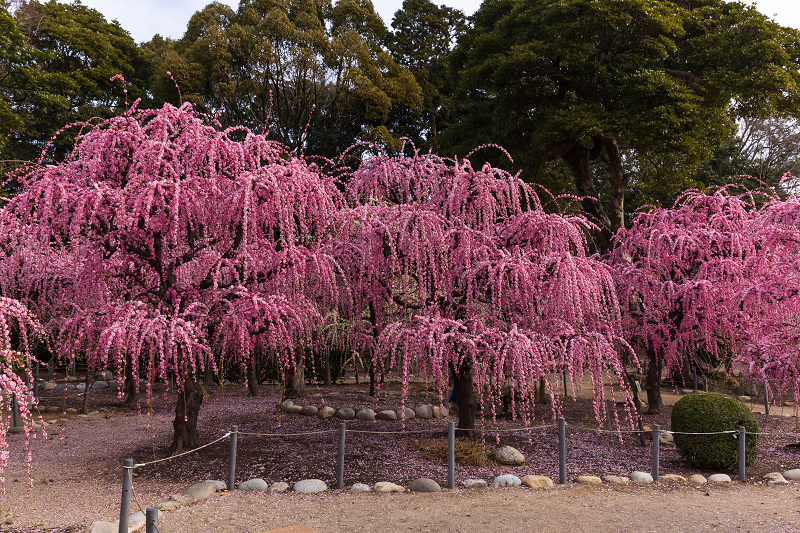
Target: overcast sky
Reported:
point(145, 18)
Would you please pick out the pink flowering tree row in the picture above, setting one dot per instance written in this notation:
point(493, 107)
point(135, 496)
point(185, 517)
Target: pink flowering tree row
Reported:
point(460, 273)
point(163, 240)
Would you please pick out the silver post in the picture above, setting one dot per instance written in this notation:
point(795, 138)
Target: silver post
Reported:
point(742, 453)
point(656, 443)
point(340, 457)
point(151, 520)
point(562, 451)
point(451, 454)
point(232, 458)
point(125, 505)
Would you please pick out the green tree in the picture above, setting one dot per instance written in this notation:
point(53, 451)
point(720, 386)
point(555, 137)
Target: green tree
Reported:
point(611, 86)
point(314, 73)
point(16, 73)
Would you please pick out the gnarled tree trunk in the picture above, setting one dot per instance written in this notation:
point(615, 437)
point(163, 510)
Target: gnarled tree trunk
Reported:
point(189, 401)
point(129, 388)
point(252, 379)
point(295, 382)
point(465, 399)
point(653, 384)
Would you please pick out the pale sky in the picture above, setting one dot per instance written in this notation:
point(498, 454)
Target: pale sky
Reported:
point(145, 18)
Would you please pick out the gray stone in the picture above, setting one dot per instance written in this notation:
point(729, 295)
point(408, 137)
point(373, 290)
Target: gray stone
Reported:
point(537, 482)
point(326, 412)
point(310, 486)
point(792, 475)
point(666, 438)
point(309, 410)
point(360, 487)
point(60, 387)
point(424, 411)
point(588, 480)
point(437, 412)
point(285, 404)
point(93, 413)
point(719, 478)
point(181, 499)
point(406, 414)
point(80, 386)
point(745, 398)
point(137, 521)
point(169, 505)
point(70, 386)
point(508, 455)
point(104, 375)
point(672, 477)
point(507, 480)
point(278, 486)
point(366, 414)
point(445, 412)
point(424, 484)
point(201, 491)
point(103, 410)
point(345, 413)
point(52, 409)
point(102, 527)
point(385, 486)
point(292, 409)
point(100, 385)
point(113, 383)
point(475, 484)
point(72, 378)
point(687, 391)
point(640, 477)
point(48, 385)
point(697, 479)
point(221, 485)
point(616, 480)
point(386, 415)
point(775, 478)
point(254, 485)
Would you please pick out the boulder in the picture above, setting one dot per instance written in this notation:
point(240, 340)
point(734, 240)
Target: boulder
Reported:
point(278, 486)
point(386, 415)
point(310, 486)
point(385, 486)
point(423, 411)
point(506, 480)
point(292, 409)
point(640, 477)
point(588, 480)
point(719, 478)
point(672, 477)
point(537, 482)
point(201, 491)
point(102, 527)
point(616, 480)
point(360, 487)
point(775, 478)
point(100, 385)
point(309, 410)
point(169, 505)
point(666, 438)
point(424, 484)
point(48, 385)
point(60, 387)
point(366, 414)
point(792, 475)
point(437, 412)
point(254, 485)
point(103, 411)
point(52, 409)
point(697, 479)
point(326, 412)
point(406, 414)
point(180, 498)
point(137, 520)
point(508, 455)
point(345, 414)
point(475, 484)
point(80, 386)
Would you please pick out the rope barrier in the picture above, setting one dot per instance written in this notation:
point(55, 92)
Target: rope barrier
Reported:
point(138, 465)
point(513, 430)
point(287, 434)
point(397, 432)
point(139, 505)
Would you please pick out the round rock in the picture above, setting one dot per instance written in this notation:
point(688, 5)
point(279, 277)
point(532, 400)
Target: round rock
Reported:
point(221, 485)
point(254, 485)
point(326, 412)
point(424, 484)
point(640, 477)
point(366, 414)
point(424, 411)
point(309, 410)
point(506, 480)
point(616, 480)
point(792, 475)
point(675, 478)
point(406, 414)
point(588, 480)
point(310, 486)
point(386, 415)
point(775, 478)
point(697, 479)
point(719, 478)
point(508, 455)
point(52, 409)
point(360, 487)
point(71, 410)
point(537, 482)
point(279, 486)
point(385, 486)
point(201, 491)
point(345, 413)
point(292, 409)
point(475, 484)
point(100, 385)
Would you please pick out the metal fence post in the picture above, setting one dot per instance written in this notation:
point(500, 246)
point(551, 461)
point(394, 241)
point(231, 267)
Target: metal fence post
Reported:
point(451, 454)
point(656, 445)
point(151, 520)
point(232, 458)
point(340, 457)
point(562, 451)
point(742, 453)
point(125, 504)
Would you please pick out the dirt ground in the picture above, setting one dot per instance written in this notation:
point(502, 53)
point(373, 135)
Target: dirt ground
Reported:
point(74, 479)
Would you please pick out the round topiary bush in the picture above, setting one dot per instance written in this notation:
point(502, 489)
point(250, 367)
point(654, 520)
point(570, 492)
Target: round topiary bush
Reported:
point(708, 412)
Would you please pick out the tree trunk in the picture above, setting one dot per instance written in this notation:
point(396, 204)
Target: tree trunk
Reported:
point(208, 376)
point(252, 379)
point(653, 385)
point(327, 367)
point(189, 401)
point(129, 388)
point(373, 380)
point(295, 382)
point(578, 159)
point(619, 183)
point(465, 399)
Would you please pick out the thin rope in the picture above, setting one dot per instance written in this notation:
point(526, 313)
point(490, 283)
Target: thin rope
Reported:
point(508, 430)
point(139, 505)
point(288, 434)
point(137, 465)
point(397, 432)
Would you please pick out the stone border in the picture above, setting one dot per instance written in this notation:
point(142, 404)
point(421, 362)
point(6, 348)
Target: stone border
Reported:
point(422, 411)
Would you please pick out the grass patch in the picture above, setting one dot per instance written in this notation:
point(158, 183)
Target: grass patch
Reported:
point(468, 452)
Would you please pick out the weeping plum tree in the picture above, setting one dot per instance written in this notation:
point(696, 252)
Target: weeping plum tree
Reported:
point(174, 240)
point(465, 275)
point(680, 272)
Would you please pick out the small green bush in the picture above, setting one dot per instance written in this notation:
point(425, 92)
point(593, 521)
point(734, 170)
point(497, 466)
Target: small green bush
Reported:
point(708, 412)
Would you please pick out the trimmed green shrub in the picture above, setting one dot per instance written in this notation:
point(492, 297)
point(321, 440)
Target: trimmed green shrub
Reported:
point(708, 412)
